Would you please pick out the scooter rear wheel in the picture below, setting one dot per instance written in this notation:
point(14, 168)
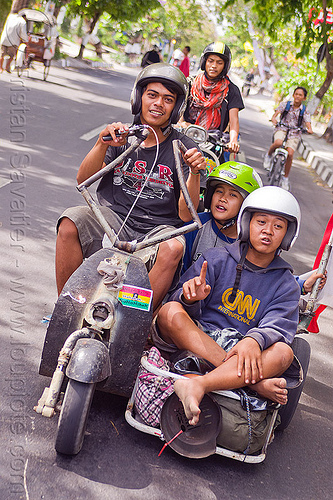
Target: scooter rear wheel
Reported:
point(302, 352)
point(73, 417)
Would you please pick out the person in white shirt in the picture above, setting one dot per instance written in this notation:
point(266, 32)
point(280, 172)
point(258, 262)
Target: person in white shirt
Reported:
point(13, 33)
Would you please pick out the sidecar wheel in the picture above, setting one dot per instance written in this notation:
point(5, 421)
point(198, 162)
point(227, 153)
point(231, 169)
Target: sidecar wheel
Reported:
point(73, 417)
point(302, 352)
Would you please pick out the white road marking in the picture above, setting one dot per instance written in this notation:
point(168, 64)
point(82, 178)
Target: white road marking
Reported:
point(4, 182)
point(92, 133)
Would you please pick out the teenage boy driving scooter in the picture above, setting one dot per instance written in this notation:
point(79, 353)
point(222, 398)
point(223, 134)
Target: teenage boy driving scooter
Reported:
point(158, 98)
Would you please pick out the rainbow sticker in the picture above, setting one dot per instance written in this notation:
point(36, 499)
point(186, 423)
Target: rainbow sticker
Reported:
point(135, 297)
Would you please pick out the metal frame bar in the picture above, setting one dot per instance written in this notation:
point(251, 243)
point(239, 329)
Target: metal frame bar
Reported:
point(132, 246)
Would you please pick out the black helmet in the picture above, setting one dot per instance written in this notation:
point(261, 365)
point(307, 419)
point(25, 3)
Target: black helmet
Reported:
point(166, 74)
point(220, 49)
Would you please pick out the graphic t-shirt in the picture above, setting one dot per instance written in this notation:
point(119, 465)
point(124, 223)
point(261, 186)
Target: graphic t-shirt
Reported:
point(158, 203)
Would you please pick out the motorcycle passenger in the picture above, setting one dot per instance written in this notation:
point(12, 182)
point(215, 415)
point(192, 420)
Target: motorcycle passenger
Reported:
point(158, 99)
point(214, 100)
point(227, 187)
point(237, 306)
point(290, 118)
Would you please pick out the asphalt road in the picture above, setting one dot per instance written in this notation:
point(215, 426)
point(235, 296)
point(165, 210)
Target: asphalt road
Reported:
point(42, 124)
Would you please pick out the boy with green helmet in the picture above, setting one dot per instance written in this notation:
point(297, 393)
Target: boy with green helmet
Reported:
point(227, 187)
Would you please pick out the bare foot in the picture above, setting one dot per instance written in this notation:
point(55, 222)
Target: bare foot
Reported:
point(190, 393)
point(273, 389)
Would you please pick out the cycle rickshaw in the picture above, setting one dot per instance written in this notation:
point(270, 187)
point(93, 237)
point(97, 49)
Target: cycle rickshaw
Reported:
point(42, 31)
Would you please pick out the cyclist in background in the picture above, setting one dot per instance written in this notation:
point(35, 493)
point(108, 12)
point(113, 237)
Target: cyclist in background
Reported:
point(294, 115)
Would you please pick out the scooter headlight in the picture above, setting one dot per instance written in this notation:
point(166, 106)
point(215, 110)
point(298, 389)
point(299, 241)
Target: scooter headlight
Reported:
point(196, 133)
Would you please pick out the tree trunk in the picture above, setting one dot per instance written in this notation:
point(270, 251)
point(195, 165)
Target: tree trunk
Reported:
point(329, 76)
point(18, 5)
point(328, 134)
point(91, 23)
point(58, 7)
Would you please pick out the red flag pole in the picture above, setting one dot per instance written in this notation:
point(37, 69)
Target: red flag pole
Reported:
point(313, 326)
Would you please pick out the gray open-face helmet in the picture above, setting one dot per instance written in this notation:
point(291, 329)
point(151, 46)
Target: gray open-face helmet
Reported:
point(167, 75)
point(275, 200)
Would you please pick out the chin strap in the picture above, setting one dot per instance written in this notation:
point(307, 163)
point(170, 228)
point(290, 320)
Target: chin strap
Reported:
point(239, 269)
point(228, 223)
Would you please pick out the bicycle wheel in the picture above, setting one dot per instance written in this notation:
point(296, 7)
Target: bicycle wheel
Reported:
point(274, 176)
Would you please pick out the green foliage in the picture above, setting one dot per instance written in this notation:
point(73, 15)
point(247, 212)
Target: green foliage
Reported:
point(4, 11)
point(304, 74)
point(118, 10)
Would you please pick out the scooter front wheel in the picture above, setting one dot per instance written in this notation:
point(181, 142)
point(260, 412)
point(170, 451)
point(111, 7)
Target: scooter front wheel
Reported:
point(73, 417)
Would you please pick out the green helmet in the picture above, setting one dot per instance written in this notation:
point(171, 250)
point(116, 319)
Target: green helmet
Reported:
point(239, 175)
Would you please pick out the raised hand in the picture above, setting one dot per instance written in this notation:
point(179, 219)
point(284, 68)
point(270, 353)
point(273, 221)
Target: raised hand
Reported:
point(196, 288)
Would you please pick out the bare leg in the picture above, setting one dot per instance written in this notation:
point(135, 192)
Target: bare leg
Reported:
point(162, 273)
point(176, 327)
point(68, 252)
point(276, 144)
point(9, 61)
point(275, 359)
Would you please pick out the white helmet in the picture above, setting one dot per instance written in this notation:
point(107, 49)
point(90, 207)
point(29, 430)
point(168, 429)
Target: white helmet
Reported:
point(271, 199)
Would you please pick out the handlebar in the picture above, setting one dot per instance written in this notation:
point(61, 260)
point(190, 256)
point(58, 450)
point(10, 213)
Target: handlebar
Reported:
point(133, 130)
point(131, 246)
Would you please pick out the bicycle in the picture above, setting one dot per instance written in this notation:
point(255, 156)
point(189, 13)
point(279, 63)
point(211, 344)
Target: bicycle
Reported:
point(276, 170)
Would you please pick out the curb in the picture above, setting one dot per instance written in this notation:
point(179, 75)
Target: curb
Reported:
point(314, 160)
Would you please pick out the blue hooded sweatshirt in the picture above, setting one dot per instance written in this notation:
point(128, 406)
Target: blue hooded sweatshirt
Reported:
point(266, 304)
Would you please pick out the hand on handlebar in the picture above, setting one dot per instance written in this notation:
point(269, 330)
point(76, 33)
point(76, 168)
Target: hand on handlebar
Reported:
point(195, 160)
point(233, 147)
point(126, 131)
point(114, 134)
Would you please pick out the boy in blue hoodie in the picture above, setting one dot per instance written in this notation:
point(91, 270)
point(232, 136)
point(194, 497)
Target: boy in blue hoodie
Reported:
point(244, 296)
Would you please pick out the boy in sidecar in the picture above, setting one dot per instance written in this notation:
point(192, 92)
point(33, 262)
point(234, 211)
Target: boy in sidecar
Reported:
point(158, 99)
point(237, 306)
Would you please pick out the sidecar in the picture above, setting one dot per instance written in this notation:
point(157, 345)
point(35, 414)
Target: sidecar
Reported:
point(220, 417)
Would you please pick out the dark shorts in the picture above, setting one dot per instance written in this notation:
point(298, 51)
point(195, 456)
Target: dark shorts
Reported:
point(225, 338)
point(8, 51)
